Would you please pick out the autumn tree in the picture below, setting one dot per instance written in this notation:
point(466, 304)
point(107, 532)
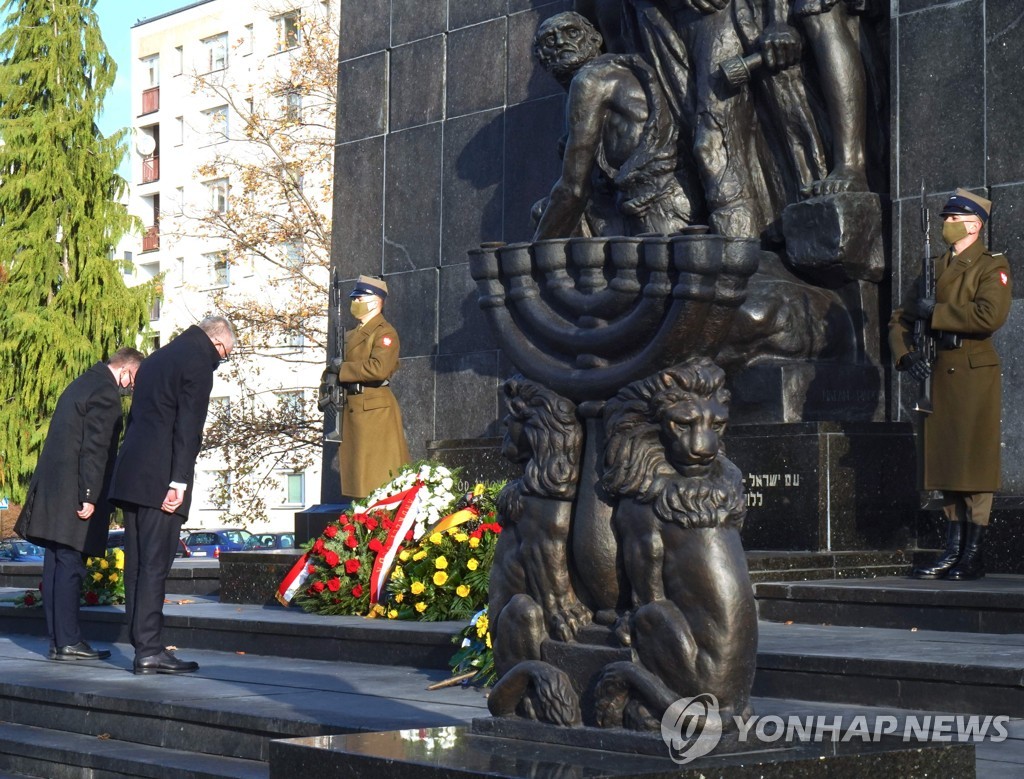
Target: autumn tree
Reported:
point(63, 303)
point(269, 209)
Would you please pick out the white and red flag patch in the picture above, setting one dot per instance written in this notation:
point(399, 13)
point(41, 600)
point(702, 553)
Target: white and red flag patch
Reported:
point(1004, 278)
point(386, 340)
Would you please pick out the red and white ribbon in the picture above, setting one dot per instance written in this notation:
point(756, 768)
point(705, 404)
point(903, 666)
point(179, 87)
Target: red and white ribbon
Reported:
point(410, 504)
point(293, 582)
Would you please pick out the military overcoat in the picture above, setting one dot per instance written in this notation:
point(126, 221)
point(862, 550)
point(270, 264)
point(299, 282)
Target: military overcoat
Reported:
point(961, 439)
point(75, 465)
point(373, 446)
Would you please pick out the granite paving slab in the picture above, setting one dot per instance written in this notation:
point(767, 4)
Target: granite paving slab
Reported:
point(290, 696)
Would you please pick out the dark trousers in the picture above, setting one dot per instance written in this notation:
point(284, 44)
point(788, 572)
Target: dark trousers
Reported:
point(150, 542)
point(63, 571)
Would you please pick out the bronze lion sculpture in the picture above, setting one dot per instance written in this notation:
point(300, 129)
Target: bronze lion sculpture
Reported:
point(692, 622)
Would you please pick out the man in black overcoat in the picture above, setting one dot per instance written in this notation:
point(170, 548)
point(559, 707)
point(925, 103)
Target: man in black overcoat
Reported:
point(153, 475)
point(66, 511)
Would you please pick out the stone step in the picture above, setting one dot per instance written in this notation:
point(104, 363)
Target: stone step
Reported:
point(216, 722)
point(775, 566)
point(994, 604)
point(187, 577)
point(972, 673)
point(57, 754)
point(203, 622)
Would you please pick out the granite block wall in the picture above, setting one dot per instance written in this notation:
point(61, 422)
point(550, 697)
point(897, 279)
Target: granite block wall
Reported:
point(447, 134)
point(958, 121)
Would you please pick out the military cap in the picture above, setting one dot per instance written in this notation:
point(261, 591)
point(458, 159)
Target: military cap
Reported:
point(967, 204)
point(369, 285)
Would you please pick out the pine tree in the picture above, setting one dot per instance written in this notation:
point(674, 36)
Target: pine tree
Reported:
point(63, 303)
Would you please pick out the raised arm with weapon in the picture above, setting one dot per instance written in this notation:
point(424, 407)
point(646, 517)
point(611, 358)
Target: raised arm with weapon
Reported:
point(924, 337)
point(332, 391)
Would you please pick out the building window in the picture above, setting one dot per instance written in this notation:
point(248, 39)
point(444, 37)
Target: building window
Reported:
point(219, 495)
point(151, 71)
point(180, 276)
point(179, 200)
point(217, 124)
point(293, 105)
point(247, 43)
point(179, 130)
point(220, 409)
point(218, 192)
point(216, 48)
point(218, 268)
point(293, 489)
point(288, 30)
point(294, 254)
point(179, 60)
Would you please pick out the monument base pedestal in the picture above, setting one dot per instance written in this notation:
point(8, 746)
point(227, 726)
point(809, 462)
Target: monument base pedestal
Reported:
point(443, 753)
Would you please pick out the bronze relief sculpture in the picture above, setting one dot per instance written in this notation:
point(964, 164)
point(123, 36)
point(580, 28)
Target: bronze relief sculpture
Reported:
point(713, 213)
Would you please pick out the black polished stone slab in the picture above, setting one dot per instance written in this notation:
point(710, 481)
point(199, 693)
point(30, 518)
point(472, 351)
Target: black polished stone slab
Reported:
point(826, 486)
point(989, 605)
point(443, 753)
point(309, 524)
point(479, 458)
point(253, 577)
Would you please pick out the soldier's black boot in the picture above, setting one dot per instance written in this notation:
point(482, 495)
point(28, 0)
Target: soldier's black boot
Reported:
point(972, 563)
point(954, 548)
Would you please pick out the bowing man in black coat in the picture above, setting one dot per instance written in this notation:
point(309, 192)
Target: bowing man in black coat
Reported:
point(152, 481)
point(66, 511)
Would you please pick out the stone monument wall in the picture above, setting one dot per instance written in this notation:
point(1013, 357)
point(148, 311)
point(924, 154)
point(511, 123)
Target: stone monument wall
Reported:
point(448, 133)
point(439, 104)
point(957, 119)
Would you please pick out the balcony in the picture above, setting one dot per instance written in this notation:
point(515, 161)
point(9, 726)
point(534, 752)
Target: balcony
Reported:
point(151, 240)
point(150, 100)
point(150, 169)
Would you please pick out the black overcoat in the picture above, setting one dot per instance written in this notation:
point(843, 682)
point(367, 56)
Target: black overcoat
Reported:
point(75, 465)
point(165, 426)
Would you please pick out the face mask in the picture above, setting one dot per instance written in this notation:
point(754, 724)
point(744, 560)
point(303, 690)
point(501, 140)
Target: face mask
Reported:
point(125, 391)
point(953, 232)
point(359, 308)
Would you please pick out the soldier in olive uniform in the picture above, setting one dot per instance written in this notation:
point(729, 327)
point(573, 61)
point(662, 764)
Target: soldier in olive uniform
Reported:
point(961, 438)
point(373, 447)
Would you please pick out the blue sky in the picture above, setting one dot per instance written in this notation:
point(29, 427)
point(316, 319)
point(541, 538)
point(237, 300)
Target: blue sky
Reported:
point(116, 20)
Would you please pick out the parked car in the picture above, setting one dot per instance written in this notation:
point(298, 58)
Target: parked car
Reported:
point(14, 550)
point(115, 540)
point(271, 541)
point(210, 543)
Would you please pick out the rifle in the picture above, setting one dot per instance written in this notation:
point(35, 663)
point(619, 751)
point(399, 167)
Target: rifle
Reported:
point(332, 392)
point(924, 338)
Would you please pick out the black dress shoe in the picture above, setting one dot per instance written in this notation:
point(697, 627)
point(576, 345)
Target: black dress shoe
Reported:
point(81, 651)
point(163, 663)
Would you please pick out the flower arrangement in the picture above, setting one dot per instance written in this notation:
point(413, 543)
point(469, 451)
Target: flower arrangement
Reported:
point(413, 532)
point(342, 561)
point(475, 654)
point(29, 599)
point(445, 577)
point(102, 585)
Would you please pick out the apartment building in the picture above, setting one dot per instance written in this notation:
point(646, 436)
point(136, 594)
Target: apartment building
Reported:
point(198, 74)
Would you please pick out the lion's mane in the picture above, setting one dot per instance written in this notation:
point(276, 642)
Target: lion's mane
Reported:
point(554, 439)
point(635, 465)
